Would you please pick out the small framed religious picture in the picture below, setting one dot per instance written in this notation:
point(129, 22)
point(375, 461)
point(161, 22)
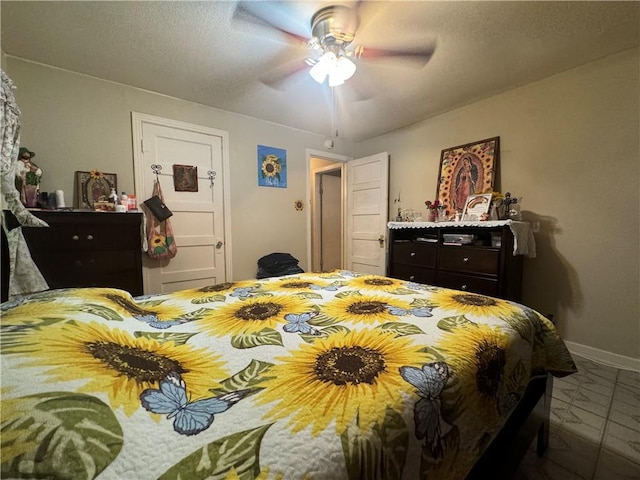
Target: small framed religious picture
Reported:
point(185, 178)
point(93, 187)
point(476, 207)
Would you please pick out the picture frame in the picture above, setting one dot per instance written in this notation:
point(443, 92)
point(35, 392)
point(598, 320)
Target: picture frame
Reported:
point(272, 167)
point(465, 170)
point(475, 206)
point(185, 178)
point(93, 186)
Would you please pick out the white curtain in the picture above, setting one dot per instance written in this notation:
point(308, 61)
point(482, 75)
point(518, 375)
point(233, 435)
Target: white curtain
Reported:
point(25, 276)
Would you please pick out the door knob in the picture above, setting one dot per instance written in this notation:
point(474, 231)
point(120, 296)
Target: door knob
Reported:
point(219, 245)
point(381, 240)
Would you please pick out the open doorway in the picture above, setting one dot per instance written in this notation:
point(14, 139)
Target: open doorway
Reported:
point(328, 218)
point(327, 212)
point(362, 209)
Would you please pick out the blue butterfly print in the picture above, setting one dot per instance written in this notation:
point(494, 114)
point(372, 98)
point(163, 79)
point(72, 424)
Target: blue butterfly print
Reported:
point(348, 273)
point(191, 418)
point(418, 312)
point(298, 323)
point(243, 292)
point(328, 288)
point(155, 322)
point(415, 286)
point(430, 380)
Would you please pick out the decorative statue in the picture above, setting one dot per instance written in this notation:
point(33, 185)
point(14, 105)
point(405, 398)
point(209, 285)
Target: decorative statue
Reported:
point(28, 177)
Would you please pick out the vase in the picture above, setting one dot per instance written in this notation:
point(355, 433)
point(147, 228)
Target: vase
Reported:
point(31, 196)
point(441, 216)
point(431, 215)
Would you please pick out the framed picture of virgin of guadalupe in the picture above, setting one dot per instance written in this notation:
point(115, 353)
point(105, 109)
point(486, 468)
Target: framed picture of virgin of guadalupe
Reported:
point(466, 170)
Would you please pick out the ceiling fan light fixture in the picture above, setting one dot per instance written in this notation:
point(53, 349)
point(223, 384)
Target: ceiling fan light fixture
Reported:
point(323, 67)
point(335, 79)
point(338, 69)
point(345, 67)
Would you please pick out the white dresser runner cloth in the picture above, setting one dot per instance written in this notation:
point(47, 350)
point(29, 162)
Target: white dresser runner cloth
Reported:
point(523, 241)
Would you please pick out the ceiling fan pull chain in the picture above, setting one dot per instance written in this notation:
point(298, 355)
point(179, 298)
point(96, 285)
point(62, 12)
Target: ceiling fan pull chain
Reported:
point(334, 129)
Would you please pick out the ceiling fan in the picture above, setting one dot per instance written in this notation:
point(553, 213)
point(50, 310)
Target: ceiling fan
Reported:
point(332, 53)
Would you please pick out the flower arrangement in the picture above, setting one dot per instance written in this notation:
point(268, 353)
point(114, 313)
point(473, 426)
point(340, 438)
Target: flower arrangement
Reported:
point(436, 210)
point(434, 206)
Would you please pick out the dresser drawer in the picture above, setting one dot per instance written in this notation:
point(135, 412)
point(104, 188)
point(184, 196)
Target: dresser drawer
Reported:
point(469, 260)
point(415, 253)
point(88, 249)
point(106, 268)
point(81, 237)
point(468, 283)
point(484, 267)
point(412, 273)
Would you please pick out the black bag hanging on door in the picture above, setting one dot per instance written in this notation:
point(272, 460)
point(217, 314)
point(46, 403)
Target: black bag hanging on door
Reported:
point(159, 232)
point(157, 207)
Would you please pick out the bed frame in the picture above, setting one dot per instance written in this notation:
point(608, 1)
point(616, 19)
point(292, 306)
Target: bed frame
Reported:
point(530, 418)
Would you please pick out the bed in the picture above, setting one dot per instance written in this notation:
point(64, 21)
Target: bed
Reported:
point(335, 375)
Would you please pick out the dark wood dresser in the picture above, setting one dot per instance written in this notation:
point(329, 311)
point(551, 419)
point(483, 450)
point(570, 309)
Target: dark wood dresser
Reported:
point(430, 254)
point(88, 249)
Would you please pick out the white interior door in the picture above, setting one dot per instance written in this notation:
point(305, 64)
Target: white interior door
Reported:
point(367, 213)
point(199, 221)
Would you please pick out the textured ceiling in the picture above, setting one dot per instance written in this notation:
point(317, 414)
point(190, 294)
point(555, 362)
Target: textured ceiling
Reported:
point(196, 51)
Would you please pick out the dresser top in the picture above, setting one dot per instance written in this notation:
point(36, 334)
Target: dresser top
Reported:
point(64, 217)
point(479, 224)
point(524, 243)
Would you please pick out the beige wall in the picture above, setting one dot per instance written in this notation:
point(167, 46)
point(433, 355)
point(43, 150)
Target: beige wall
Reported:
point(570, 148)
point(74, 122)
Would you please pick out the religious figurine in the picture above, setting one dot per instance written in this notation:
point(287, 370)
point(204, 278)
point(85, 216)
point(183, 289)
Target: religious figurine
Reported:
point(27, 177)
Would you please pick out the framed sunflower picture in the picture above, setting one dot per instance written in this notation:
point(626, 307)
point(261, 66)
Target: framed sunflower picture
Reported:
point(272, 167)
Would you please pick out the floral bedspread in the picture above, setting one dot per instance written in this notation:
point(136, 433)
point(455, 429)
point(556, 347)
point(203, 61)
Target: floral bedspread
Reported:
point(310, 376)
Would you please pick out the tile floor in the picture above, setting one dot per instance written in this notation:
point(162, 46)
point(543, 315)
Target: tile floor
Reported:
point(595, 427)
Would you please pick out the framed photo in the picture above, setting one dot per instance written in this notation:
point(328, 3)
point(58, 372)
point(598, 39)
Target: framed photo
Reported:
point(272, 167)
point(476, 206)
point(185, 178)
point(467, 170)
point(92, 187)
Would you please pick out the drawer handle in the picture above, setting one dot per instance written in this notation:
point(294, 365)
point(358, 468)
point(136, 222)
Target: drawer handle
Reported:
point(465, 260)
point(412, 277)
point(75, 238)
point(89, 237)
point(413, 254)
point(463, 287)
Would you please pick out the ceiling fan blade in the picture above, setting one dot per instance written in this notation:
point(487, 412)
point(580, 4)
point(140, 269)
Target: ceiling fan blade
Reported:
point(360, 88)
point(411, 57)
point(367, 12)
point(243, 13)
point(278, 77)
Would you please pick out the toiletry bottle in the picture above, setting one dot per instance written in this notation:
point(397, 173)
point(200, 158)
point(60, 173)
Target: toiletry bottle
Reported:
point(113, 197)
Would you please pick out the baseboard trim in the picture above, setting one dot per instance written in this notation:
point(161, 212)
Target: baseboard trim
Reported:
point(604, 357)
